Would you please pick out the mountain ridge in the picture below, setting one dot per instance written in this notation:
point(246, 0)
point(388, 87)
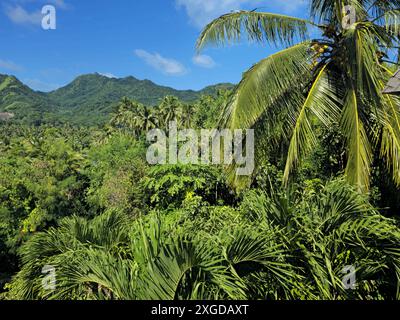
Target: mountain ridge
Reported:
point(88, 99)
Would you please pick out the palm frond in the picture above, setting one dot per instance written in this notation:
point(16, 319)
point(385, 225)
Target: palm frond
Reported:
point(258, 26)
point(359, 149)
point(244, 252)
point(390, 137)
point(98, 274)
point(178, 270)
point(390, 19)
point(322, 101)
point(266, 82)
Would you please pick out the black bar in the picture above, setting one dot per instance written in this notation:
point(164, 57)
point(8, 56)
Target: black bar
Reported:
point(240, 310)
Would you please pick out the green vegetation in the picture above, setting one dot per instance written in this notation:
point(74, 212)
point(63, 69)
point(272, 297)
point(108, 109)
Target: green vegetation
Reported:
point(207, 252)
point(88, 100)
point(84, 200)
point(337, 79)
point(29, 106)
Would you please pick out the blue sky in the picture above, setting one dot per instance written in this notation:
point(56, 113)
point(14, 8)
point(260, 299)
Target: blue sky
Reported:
point(148, 39)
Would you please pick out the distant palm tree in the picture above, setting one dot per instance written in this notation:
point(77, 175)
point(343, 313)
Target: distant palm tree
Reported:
point(135, 117)
point(119, 116)
point(186, 114)
point(146, 119)
point(169, 109)
point(126, 103)
point(335, 79)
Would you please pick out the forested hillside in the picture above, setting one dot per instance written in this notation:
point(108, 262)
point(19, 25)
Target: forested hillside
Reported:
point(88, 100)
point(26, 105)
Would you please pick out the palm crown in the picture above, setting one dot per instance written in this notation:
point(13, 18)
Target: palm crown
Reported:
point(335, 79)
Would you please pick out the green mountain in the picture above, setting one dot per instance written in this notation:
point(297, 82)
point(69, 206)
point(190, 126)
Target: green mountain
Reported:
point(94, 89)
point(21, 102)
point(87, 100)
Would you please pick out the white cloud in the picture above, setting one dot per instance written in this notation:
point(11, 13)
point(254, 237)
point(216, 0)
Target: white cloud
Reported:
point(61, 4)
point(202, 12)
point(158, 62)
point(108, 75)
point(19, 15)
point(9, 65)
point(204, 61)
point(58, 3)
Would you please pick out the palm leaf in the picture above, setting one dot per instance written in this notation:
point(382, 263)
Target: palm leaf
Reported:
point(359, 149)
point(266, 100)
point(265, 83)
point(179, 269)
point(322, 101)
point(244, 252)
point(258, 26)
point(390, 138)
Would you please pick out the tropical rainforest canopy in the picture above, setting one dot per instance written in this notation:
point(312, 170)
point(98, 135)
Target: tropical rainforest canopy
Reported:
point(324, 196)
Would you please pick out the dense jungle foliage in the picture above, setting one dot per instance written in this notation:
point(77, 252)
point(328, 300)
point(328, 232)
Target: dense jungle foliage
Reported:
point(324, 198)
point(85, 201)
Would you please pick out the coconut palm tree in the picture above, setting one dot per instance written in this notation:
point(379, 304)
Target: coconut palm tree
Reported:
point(126, 116)
point(337, 78)
point(186, 115)
point(146, 119)
point(157, 112)
point(135, 117)
point(169, 109)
